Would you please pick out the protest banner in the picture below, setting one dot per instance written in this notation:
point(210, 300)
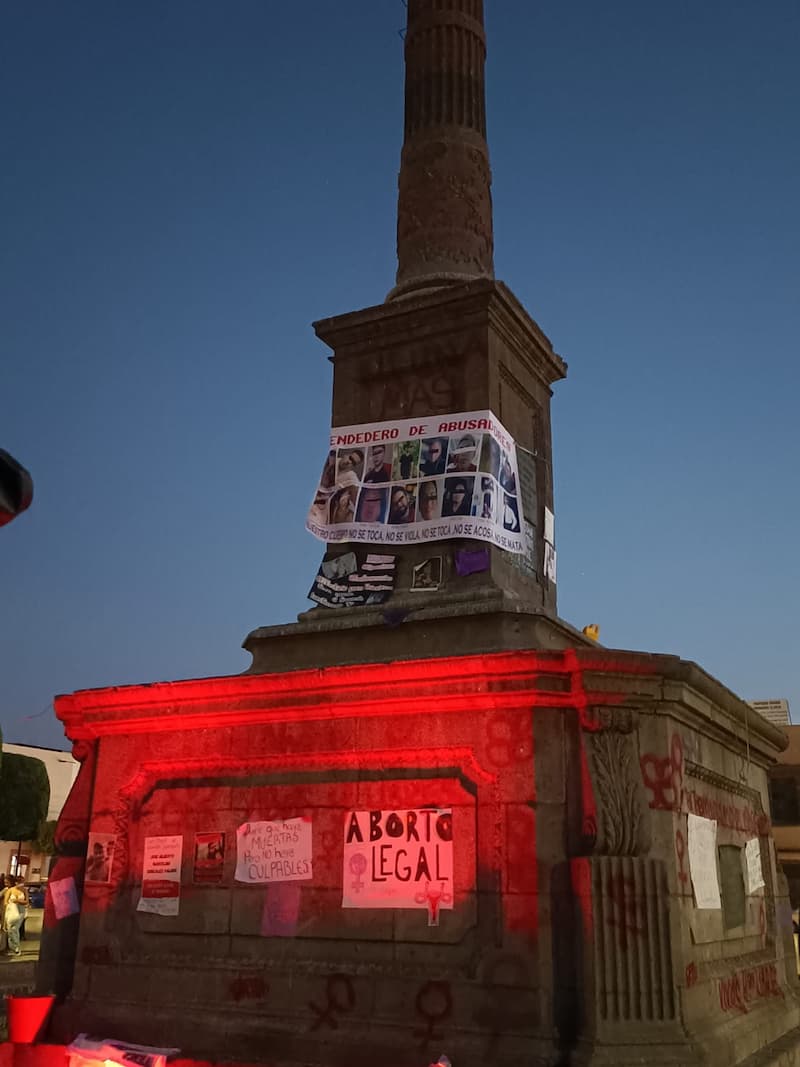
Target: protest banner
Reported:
point(161, 875)
point(277, 851)
point(410, 481)
point(399, 859)
point(344, 582)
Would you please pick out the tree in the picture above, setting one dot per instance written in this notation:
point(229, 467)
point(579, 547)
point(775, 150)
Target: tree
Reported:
point(24, 797)
point(46, 837)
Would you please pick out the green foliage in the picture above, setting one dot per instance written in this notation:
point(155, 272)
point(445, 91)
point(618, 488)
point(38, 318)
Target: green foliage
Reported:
point(24, 797)
point(46, 836)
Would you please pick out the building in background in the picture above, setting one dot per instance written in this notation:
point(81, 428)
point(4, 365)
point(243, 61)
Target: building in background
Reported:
point(62, 770)
point(776, 711)
point(784, 797)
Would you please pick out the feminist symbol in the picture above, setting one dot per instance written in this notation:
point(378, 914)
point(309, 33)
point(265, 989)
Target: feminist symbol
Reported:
point(357, 865)
point(680, 850)
point(434, 1003)
point(433, 897)
point(341, 998)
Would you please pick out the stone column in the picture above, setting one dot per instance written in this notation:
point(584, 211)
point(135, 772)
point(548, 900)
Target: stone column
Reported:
point(444, 211)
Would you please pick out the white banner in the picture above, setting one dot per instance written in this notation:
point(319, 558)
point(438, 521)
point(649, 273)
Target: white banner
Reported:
point(278, 851)
point(416, 480)
point(161, 875)
point(399, 859)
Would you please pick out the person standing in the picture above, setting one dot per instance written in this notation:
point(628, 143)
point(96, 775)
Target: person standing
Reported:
point(13, 901)
point(23, 907)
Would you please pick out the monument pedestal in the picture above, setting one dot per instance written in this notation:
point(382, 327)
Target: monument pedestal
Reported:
point(571, 935)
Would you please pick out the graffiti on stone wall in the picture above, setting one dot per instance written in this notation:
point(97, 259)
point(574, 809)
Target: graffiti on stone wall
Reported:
point(509, 738)
point(680, 854)
point(624, 913)
point(340, 999)
point(743, 987)
point(663, 776)
point(248, 987)
point(433, 1004)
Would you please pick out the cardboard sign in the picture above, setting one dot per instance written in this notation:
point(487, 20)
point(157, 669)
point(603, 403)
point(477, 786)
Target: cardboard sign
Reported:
point(409, 481)
point(161, 875)
point(278, 851)
point(399, 859)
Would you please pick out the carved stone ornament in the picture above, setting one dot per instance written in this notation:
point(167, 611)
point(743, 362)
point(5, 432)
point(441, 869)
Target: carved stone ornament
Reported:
point(615, 818)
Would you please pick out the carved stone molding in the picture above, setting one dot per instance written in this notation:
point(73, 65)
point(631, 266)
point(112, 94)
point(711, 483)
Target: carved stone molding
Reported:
point(615, 820)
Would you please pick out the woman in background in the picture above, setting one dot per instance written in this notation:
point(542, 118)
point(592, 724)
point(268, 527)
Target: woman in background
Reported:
point(13, 905)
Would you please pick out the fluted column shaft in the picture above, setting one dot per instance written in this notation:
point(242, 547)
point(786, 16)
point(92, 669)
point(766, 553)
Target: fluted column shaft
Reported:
point(444, 212)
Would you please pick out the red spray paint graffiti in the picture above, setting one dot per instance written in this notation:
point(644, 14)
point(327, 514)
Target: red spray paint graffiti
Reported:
point(736, 992)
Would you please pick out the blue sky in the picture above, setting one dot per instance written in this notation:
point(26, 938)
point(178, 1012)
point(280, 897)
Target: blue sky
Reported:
point(186, 186)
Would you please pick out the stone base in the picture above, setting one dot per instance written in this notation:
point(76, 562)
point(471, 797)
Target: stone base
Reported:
point(410, 627)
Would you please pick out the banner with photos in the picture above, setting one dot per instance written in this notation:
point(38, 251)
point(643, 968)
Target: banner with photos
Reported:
point(415, 480)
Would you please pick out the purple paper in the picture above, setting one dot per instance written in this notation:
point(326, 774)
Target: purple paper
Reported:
point(472, 561)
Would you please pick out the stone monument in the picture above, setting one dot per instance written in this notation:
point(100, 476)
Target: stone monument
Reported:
point(447, 823)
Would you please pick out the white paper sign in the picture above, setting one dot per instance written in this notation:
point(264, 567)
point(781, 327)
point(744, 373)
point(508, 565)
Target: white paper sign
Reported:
point(161, 875)
point(278, 851)
point(410, 481)
point(549, 526)
point(702, 848)
point(399, 859)
point(550, 563)
point(65, 897)
point(755, 874)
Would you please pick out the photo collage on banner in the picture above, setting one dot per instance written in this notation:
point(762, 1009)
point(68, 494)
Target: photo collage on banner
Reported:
point(412, 481)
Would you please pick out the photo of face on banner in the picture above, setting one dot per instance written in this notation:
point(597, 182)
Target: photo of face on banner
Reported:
point(485, 502)
point(429, 502)
point(372, 502)
point(328, 477)
point(433, 456)
point(490, 456)
point(320, 508)
point(463, 454)
point(510, 513)
point(457, 496)
point(343, 505)
point(401, 504)
point(379, 465)
point(507, 479)
point(406, 461)
point(349, 460)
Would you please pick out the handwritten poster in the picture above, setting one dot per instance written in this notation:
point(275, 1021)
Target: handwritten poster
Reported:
point(399, 859)
point(278, 851)
point(161, 875)
point(755, 874)
point(703, 861)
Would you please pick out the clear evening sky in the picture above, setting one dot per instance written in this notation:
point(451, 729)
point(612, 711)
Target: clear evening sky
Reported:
point(186, 185)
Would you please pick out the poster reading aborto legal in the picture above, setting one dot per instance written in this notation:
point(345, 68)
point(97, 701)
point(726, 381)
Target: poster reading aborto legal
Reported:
point(410, 481)
point(399, 859)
